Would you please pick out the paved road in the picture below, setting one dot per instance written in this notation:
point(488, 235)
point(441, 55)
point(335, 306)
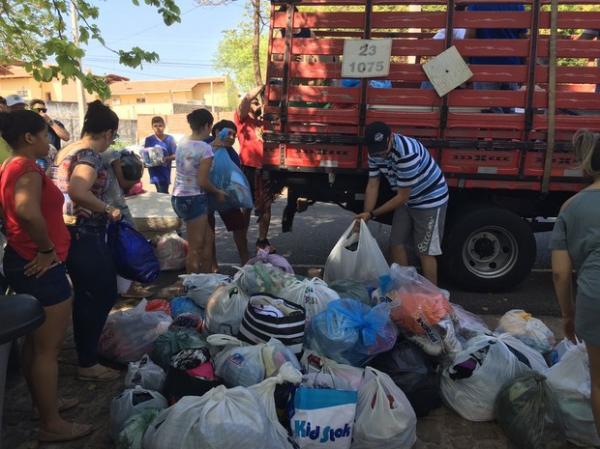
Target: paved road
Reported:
point(316, 231)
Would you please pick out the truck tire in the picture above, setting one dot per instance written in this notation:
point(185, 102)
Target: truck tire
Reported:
point(488, 249)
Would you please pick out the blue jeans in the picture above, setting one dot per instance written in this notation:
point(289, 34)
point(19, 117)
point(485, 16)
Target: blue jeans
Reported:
point(162, 187)
point(492, 85)
point(92, 270)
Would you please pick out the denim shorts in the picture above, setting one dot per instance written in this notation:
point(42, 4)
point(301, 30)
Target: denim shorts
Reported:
point(190, 207)
point(50, 289)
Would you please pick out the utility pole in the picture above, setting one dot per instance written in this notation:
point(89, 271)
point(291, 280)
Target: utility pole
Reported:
point(79, 86)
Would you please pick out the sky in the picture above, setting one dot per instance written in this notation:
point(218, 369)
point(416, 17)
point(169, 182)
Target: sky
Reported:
point(186, 49)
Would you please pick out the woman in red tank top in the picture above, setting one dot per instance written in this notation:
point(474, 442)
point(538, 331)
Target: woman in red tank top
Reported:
point(37, 246)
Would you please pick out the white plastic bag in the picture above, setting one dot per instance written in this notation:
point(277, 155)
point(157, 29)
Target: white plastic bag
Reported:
point(312, 294)
point(570, 379)
point(171, 251)
point(201, 286)
point(129, 334)
point(323, 418)
point(467, 324)
point(243, 365)
point(322, 372)
point(476, 375)
point(529, 330)
point(145, 373)
point(225, 310)
point(384, 417)
point(224, 419)
point(363, 263)
point(130, 402)
point(535, 360)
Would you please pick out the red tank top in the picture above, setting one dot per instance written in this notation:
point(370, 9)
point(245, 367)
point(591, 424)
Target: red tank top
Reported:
point(251, 145)
point(51, 205)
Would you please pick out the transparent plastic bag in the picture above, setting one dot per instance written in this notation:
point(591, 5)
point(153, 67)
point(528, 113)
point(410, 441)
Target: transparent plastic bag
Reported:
point(355, 256)
point(263, 278)
point(351, 332)
point(467, 324)
point(347, 288)
point(529, 330)
point(418, 304)
point(225, 310)
point(384, 417)
point(224, 419)
point(312, 294)
point(570, 379)
point(227, 176)
point(240, 364)
point(527, 411)
point(145, 373)
point(130, 402)
point(132, 435)
point(200, 286)
point(264, 256)
point(129, 334)
point(171, 251)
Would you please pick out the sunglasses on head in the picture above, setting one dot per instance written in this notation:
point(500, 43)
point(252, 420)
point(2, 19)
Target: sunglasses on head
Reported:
point(44, 110)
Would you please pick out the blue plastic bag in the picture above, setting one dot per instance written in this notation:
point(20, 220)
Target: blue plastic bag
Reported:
point(227, 176)
point(133, 255)
point(183, 304)
point(351, 332)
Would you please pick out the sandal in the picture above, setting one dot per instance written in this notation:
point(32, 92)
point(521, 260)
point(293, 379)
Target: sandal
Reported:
point(100, 374)
point(64, 404)
point(77, 431)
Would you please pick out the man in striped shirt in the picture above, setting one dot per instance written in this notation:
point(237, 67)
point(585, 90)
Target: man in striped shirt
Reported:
point(421, 194)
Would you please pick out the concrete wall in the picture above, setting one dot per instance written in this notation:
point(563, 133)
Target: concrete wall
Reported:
point(66, 112)
point(176, 123)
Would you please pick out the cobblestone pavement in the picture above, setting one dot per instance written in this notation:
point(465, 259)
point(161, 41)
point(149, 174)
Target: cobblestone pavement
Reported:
point(443, 429)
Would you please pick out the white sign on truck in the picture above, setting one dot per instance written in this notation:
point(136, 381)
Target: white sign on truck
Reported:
point(366, 58)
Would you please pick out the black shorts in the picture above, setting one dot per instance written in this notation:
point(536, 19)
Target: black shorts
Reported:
point(251, 174)
point(51, 289)
point(234, 220)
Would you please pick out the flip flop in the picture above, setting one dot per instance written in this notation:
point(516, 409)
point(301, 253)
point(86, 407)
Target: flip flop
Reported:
point(105, 375)
point(77, 431)
point(64, 404)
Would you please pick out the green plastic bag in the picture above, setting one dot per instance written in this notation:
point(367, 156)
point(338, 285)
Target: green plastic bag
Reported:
point(132, 435)
point(262, 278)
point(172, 342)
point(527, 410)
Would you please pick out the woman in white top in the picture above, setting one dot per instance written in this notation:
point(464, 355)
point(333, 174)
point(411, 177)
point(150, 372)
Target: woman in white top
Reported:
point(190, 202)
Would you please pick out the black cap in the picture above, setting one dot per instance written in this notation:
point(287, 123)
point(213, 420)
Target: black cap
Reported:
point(377, 137)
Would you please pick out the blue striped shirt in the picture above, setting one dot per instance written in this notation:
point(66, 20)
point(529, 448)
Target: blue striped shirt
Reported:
point(410, 166)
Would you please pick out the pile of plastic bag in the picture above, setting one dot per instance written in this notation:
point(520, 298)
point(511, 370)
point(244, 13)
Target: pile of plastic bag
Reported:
point(272, 360)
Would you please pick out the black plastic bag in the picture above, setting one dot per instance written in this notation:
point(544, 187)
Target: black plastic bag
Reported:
point(414, 372)
point(527, 410)
point(132, 166)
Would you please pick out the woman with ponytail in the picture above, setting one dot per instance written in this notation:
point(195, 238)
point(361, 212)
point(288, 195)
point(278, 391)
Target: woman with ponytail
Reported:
point(37, 247)
point(575, 246)
point(83, 179)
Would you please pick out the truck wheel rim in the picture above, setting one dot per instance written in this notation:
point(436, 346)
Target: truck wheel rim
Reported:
point(490, 252)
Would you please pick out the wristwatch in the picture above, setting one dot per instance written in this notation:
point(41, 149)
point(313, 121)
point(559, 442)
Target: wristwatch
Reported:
point(108, 209)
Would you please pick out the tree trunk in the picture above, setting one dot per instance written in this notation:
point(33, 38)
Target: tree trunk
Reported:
point(256, 43)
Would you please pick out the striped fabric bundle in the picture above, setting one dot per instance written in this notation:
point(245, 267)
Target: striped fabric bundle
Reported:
point(269, 317)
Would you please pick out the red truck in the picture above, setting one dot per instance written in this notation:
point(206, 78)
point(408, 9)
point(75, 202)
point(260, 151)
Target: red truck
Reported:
point(506, 154)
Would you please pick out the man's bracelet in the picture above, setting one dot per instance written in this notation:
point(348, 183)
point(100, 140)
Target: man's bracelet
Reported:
point(46, 251)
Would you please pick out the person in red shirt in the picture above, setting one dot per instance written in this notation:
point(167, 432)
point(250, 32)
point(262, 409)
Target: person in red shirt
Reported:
point(249, 122)
point(37, 247)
